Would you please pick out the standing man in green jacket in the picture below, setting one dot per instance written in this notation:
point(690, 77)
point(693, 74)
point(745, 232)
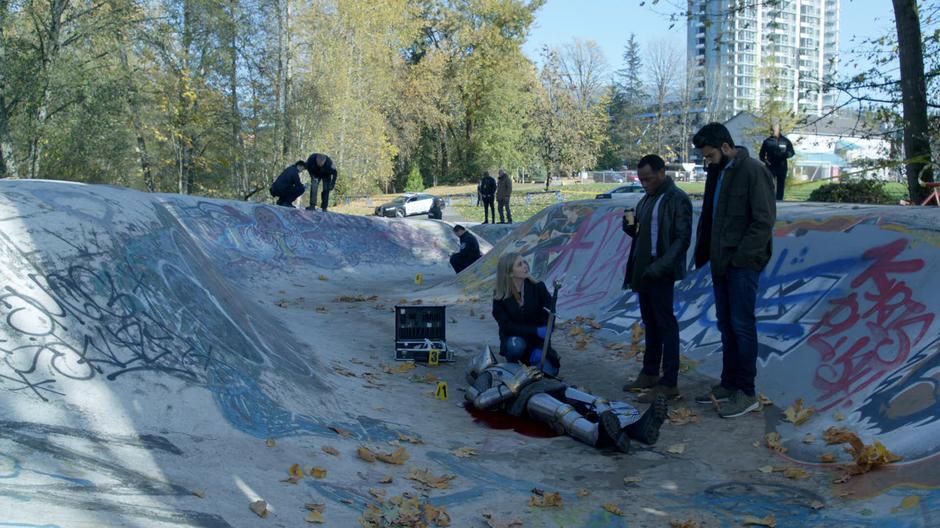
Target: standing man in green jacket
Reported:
point(735, 236)
point(661, 231)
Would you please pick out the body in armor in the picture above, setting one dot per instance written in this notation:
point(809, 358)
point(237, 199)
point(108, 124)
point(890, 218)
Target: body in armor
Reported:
point(522, 390)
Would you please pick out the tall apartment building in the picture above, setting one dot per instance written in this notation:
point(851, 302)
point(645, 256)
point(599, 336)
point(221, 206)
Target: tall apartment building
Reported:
point(744, 53)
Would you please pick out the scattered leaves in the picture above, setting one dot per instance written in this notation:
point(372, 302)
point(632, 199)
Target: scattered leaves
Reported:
point(356, 298)
point(397, 457)
point(770, 521)
point(772, 440)
point(612, 508)
point(378, 493)
point(318, 473)
point(435, 515)
point(366, 454)
point(400, 369)
point(794, 473)
point(676, 449)
point(428, 479)
point(330, 450)
point(315, 517)
point(682, 416)
point(464, 452)
point(798, 414)
point(867, 457)
point(546, 500)
point(260, 508)
point(575, 331)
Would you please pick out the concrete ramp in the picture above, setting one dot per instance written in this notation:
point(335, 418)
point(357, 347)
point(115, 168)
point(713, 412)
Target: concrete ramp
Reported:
point(164, 361)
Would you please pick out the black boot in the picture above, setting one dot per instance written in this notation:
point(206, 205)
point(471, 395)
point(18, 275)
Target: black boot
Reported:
point(646, 429)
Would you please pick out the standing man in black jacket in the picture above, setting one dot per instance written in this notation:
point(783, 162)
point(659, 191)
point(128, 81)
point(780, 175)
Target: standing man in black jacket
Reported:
point(322, 172)
point(488, 196)
point(734, 236)
point(469, 249)
point(774, 152)
point(287, 187)
point(661, 231)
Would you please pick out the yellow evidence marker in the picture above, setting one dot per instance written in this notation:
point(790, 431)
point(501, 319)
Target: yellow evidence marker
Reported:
point(441, 390)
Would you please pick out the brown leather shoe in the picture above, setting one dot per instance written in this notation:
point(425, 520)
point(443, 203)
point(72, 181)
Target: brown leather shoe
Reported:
point(642, 382)
point(670, 393)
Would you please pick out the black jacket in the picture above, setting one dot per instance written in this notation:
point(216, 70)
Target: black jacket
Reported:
point(674, 237)
point(287, 181)
point(741, 234)
point(524, 321)
point(487, 187)
point(327, 172)
point(774, 152)
point(469, 247)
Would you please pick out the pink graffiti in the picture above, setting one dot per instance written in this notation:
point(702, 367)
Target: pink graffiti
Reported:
point(597, 254)
point(861, 339)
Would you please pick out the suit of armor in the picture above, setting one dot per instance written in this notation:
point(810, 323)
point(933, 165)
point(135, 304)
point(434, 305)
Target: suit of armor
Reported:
point(522, 390)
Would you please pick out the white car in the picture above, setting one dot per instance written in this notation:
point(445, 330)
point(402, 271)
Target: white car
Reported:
point(408, 204)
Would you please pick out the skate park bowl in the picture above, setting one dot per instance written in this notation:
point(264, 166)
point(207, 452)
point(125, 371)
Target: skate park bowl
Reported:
point(167, 358)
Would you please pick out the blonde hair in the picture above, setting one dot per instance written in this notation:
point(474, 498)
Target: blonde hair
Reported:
point(504, 287)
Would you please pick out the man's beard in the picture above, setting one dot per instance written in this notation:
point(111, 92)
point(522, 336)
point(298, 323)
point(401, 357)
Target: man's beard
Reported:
point(722, 163)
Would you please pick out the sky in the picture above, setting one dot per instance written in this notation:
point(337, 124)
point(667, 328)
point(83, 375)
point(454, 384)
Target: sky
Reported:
point(610, 22)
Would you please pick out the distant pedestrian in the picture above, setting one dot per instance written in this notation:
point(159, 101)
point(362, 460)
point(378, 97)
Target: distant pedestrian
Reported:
point(734, 236)
point(488, 196)
point(469, 250)
point(287, 187)
point(503, 193)
point(322, 172)
point(774, 152)
point(436, 211)
point(661, 231)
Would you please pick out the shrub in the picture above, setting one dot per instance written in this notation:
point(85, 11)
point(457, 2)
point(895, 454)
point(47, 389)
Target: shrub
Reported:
point(857, 191)
point(414, 183)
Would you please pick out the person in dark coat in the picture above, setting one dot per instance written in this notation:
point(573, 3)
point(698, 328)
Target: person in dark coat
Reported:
point(469, 250)
point(774, 152)
point(436, 212)
point(661, 231)
point(287, 187)
point(503, 194)
point(322, 173)
point(520, 307)
point(735, 237)
point(488, 197)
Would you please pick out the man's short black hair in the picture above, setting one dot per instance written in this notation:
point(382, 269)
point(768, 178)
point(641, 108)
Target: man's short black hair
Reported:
point(302, 163)
point(459, 227)
point(653, 161)
point(712, 135)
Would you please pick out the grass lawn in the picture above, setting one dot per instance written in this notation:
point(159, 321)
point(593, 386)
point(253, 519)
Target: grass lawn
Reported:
point(530, 198)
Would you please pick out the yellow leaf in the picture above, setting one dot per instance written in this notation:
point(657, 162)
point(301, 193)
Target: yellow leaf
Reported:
point(323, 277)
point(419, 279)
point(315, 506)
point(612, 508)
point(766, 469)
point(366, 454)
point(764, 400)
point(797, 414)
point(410, 439)
point(465, 452)
point(773, 441)
point(770, 521)
point(827, 457)
point(386, 480)
point(838, 416)
point(342, 432)
point(682, 416)
point(575, 331)
point(907, 503)
point(297, 471)
point(315, 517)
point(546, 500)
point(794, 473)
point(378, 493)
point(595, 325)
point(435, 515)
point(425, 477)
point(331, 451)
point(397, 457)
point(318, 473)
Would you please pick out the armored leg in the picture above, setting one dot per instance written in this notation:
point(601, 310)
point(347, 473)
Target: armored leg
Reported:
point(563, 418)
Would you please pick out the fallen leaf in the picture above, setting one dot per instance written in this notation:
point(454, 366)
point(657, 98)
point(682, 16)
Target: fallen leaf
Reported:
point(410, 439)
point(270, 442)
point(366, 454)
point(632, 480)
point(297, 470)
point(493, 523)
point(282, 304)
point(323, 277)
point(595, 325)
point(809, 439)
point(794, 473)
point(315, 517)
point(827, 457)
point(386, 479)
point(817, 505)
point(682, 416)
point(773, 442)
point(378, 493)
point(676, 449)
point(798, 414)
point(764, 400)
point(320, 309)
point(842, 479)
point(907, 503)
point(866, 457)
point(583, 492)
point(199, 493)
point(546, 500)
point(436, 515)
point(838, 416)
point(465, 452)
point(260, 508)
point(397, 457)
point(575, 331)
point(756, 443)
point(331, 450)
point(318, 472)
point(766, 469)
point(770, 521)
point(342, 432)
point(315, 506)
point(612, 508)
point(292, 479)
point(400, 369)
point(425, 477)
point(683, 524)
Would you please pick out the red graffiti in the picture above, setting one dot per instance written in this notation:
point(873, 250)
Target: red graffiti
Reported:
point(598, 252)
point(868, 334)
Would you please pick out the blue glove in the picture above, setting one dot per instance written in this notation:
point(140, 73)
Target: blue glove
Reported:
point(541, 331)
point(535, 357)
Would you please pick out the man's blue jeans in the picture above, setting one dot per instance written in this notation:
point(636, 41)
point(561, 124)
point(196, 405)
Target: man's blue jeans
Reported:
point(735, 304)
